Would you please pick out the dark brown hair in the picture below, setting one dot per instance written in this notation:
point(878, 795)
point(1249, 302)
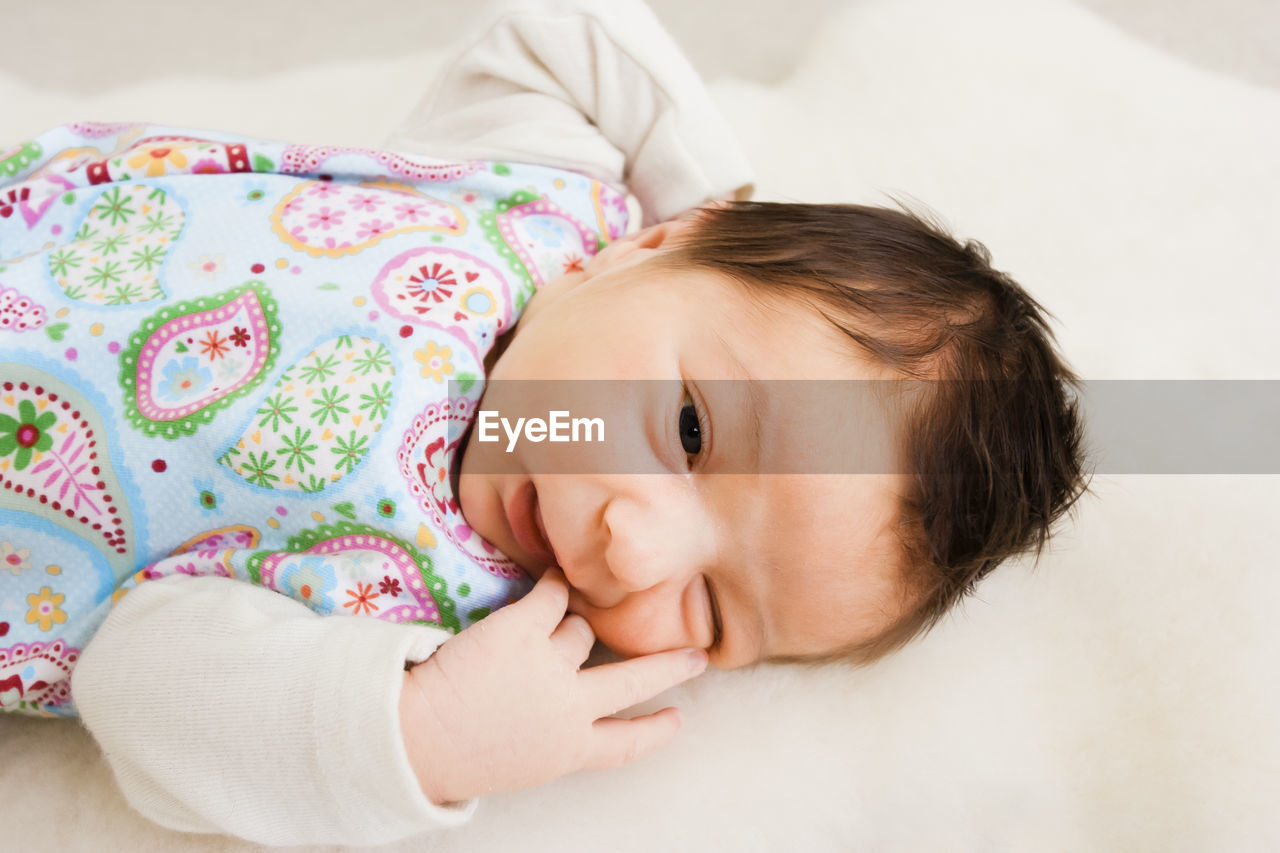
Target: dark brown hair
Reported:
point(993, 438)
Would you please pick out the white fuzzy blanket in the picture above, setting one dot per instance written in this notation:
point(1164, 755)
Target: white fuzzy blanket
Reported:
point(1122, 696)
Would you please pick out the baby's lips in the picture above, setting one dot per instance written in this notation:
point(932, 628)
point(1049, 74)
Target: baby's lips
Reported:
point(542, 530)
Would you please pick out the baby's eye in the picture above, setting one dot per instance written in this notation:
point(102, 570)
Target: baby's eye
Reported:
point(690, 428)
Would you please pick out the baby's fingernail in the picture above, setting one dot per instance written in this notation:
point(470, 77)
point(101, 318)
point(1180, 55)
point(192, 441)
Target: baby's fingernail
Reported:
point(697, 660)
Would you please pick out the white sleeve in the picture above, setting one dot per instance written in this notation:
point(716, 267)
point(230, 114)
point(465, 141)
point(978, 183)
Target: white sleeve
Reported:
point(594, 86)
point(228, 708)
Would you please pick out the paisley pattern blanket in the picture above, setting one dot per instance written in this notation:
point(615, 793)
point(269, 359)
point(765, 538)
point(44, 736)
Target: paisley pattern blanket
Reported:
point(227, 356)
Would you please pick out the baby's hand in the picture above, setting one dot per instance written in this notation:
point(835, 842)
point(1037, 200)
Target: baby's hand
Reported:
point(504, 705)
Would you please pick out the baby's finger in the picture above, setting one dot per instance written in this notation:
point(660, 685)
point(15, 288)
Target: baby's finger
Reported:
point(610, 688)
point(546, 603)
point(573, 639)
point(615, 742)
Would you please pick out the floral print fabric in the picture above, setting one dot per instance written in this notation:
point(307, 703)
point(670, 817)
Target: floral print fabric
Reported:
point(246, 359)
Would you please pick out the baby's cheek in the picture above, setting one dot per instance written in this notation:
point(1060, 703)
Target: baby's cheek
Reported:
point(629, 637)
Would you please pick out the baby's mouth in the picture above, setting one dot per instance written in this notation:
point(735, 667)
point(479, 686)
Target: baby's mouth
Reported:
point(525, 519)
point(542, 528)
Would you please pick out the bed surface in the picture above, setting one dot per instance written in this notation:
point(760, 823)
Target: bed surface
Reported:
point(1120, 695)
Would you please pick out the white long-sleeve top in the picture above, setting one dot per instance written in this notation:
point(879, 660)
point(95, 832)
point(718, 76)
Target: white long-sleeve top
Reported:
point(597, 87)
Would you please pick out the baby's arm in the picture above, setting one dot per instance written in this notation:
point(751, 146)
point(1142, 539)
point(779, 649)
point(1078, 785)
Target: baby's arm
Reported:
point(225, 707)
point(597, 87)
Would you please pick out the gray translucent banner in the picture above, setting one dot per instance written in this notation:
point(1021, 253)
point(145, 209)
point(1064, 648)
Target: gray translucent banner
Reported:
point(846, 426)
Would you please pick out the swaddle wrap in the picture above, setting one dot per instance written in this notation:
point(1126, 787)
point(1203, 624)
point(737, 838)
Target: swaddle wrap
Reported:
point(235, 357)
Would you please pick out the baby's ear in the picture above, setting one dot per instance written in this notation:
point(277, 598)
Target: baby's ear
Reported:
point(635, 247)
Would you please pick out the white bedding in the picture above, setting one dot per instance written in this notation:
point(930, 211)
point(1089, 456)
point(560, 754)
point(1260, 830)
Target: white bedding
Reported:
point(1124, 694)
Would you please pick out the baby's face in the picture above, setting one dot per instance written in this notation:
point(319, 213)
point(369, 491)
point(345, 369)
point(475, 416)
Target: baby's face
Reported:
point(668, 551)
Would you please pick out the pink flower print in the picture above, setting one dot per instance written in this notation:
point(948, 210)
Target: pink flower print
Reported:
point(327, 218)
point(14, 559)
point(373, 228)
point(410, 210)
point(365, 203)
point(322, 189)
point(208, 266)
point(188, 569)
point(207, 166)
point(331, 243)
point(432, 282)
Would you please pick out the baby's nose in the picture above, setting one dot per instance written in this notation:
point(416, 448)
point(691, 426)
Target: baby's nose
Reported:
point(650, 543)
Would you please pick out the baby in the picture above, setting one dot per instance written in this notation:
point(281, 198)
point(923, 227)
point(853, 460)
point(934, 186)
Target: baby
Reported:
point(239, 391)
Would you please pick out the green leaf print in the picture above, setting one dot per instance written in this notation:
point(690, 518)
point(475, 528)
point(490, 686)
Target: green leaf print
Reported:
point(314, 484)
point(110, 245)
point(276, 409)
point(158, 221)
point(328, 405)
point(63, 260)
point(296, 450)
point(105, 274)
point(124, 294)
point(114, 205)
point(350, 451)
point(319, 369)
point(373, 361)
point(258, 466)
point(148, 257)
point(377, 400)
